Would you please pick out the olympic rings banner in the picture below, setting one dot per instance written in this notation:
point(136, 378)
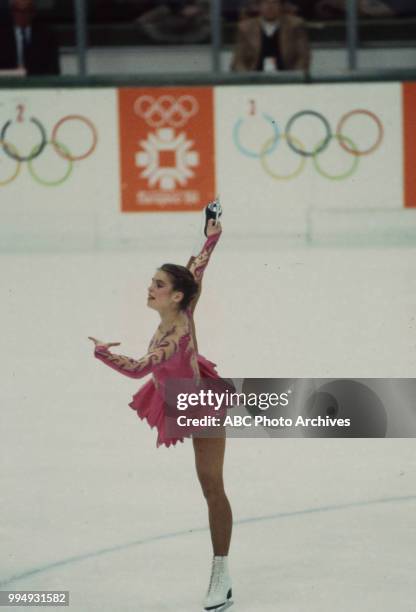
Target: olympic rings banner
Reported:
point(60, 149)
point(271, 152)
point(166, 148)
point(322, 146)
point(59, 177)
point(25, 137)
point(281, 149)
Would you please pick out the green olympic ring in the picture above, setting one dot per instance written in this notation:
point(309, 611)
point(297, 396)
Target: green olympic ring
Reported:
point(18, 162)
point(66, 155)
point(283, 177)
point(344, 175)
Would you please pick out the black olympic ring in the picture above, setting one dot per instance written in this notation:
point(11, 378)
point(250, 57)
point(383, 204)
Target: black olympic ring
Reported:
point(36, 151)
point(324, 142)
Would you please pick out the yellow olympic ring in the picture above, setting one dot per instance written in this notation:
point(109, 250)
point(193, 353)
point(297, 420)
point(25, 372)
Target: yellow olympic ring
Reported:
point(282, 177)
point(18, 163)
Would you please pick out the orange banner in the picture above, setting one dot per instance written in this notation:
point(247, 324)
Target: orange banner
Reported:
point(409, 142)
point(166, 148)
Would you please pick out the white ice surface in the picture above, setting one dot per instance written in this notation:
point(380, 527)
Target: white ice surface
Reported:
point(91, 506)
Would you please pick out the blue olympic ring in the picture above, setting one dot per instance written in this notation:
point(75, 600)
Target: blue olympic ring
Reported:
point(273, 144)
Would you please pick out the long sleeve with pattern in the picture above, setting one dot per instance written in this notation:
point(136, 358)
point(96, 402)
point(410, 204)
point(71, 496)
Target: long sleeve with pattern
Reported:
point(198, 264)
point(162, 351)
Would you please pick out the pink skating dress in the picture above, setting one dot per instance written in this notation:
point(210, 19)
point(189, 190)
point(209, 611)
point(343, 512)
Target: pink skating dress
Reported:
point(173, 355)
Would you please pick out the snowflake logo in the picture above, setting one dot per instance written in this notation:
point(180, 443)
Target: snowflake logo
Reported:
point(167, 159)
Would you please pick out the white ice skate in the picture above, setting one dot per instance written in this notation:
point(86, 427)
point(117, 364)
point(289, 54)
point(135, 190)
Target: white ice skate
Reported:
point(219, 593)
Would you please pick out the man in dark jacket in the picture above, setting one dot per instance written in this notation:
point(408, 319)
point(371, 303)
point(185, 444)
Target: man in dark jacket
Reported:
point(24, 43)
point(273, 41)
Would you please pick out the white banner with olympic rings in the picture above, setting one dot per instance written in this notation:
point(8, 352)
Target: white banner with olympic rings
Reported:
point(57, 138)
point(282, 151)
point(58, 162)
point(274, 153)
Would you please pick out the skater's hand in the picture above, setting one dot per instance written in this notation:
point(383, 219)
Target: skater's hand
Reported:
point(213, 228)
point(104, 344)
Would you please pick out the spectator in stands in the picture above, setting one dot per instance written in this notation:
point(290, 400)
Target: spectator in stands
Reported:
point(275, 40)
point(178, 21)
point(24, 43)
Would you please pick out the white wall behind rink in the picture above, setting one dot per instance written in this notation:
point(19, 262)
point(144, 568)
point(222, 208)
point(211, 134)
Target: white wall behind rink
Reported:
point(84, 212)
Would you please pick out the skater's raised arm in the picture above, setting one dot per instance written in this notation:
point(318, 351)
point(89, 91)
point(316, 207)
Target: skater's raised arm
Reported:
point(165, 348)
point(198, 264)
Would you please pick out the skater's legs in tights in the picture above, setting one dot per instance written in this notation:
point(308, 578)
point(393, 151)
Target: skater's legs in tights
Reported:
point(209, 461)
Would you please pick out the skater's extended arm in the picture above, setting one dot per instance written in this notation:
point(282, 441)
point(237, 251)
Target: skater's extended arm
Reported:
point(198, 264)
point(162, 351)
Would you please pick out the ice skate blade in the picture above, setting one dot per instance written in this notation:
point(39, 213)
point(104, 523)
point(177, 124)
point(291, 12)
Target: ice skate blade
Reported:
point(221, 608)
point(224, 606)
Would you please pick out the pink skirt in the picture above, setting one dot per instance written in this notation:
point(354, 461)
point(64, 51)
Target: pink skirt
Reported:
point(149, 404)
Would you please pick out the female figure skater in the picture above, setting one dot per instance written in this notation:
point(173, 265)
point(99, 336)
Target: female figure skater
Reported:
point(173, 353)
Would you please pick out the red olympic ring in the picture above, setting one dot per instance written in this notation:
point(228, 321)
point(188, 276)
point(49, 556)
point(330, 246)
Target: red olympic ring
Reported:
point(344, 143)
point(69, 156)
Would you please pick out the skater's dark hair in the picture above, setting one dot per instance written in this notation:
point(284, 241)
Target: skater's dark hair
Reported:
point(182, 280)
